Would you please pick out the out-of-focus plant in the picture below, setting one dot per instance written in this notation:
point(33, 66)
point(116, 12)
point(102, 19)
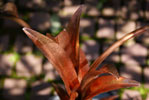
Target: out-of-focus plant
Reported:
point(9, 11)
point(142, 90)
point(55, 25)
point(82, 82)
point(15, 57)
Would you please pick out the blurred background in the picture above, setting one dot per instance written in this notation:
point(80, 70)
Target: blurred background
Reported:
point(25, 74)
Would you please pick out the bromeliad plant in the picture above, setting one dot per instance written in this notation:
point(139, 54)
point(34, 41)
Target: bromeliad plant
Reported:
point(82, 82)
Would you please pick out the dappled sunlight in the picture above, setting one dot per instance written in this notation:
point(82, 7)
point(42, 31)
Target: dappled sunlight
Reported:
point(26, 75)
point(28, 66)
point(87, 27)
point(131, 94)
point(40, 20)
point(40, 90)
point(108, 12)
point(91, 49)
point(106, 29)
point(50, 72)
point(14, 89)
point(6, 64)
point(131, 71)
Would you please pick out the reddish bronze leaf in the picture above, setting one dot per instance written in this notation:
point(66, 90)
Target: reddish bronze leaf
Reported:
point(128, 36)
point(57, 56)
point(51, 37)
point(83, 66)
point(63, 40)
point(61, 92)
point(69, 40)
point(107, 68)
point(106, 83)
point(73, 30)
point(73, 95)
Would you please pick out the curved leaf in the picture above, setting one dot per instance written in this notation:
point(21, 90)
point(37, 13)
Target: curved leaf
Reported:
point(10, 12)
point(107, 83)
point(128, 36)
point(18, 20)
point(107, 68)
point(73, 30)
point(81, 64)
point(57, 56)
point(69, 40)
point(64, 40)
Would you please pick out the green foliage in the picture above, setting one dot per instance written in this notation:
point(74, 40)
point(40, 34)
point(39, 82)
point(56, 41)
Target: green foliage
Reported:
point(15, 57)
point(55, 25)
point(100, 5)
point(143, 91)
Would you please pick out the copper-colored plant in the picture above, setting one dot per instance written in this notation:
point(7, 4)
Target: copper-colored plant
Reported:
point(82, 82)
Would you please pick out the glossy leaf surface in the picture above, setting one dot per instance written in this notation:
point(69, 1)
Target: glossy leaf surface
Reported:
point(107, 68)
point(63, 39)
point(78, 57)
point(115, 45)
point(69, 40)
point(57, 56)
point(107, 83)
point(73, 30)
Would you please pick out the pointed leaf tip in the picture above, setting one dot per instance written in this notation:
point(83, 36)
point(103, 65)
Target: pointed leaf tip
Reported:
point(73, 29)
point(80, 7)
point(57, 56)
point(29, 32)
point(107, 83)
point(33, 35)
point(26, 30)
point(130, 82)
